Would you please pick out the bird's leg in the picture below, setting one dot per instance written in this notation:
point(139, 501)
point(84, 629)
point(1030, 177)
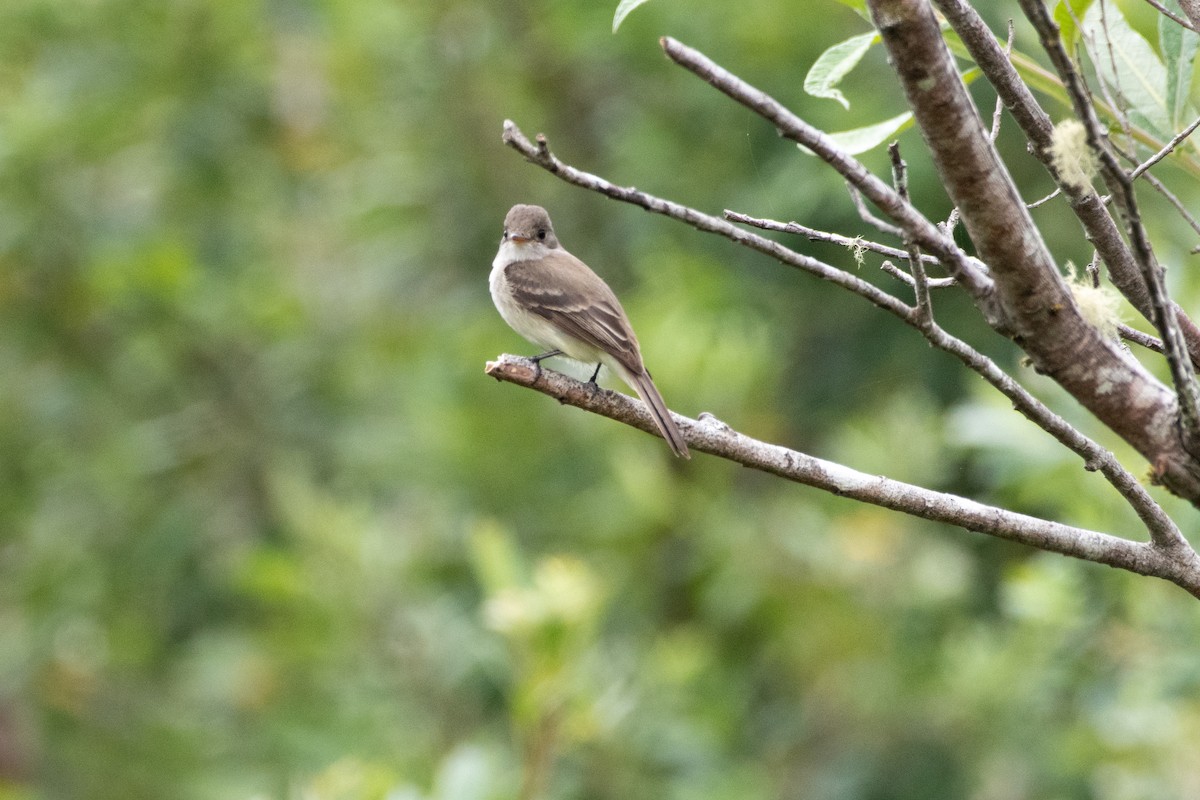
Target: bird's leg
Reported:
point(537, 361)
point(596, 374)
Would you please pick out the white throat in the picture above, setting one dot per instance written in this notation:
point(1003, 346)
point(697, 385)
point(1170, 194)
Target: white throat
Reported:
point(511, 251)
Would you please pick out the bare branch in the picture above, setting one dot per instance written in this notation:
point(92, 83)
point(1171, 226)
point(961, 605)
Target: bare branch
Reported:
point(1166, 150)
point(1094, 456)
point(814, 235)
point(1137, 337)
point(899, 274)
point(915, 224)
point(1044, 200)
point(1171, 198)
point(920, 281)
point(866, 216)
point(995, 132)
point(710, 435)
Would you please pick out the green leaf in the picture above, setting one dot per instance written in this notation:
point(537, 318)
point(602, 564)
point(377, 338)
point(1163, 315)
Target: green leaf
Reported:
point(1179, 46)
point(860, 140)
point(1130, 67)
point(834, 64)
point(623, 9)
point(1065, 14)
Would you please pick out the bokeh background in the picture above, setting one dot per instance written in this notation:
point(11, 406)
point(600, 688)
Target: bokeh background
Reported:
point(267, 530)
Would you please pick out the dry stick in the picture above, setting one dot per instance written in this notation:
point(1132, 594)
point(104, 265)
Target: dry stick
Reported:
point(1044, 200)
point(814, 235)
point(852, 242)
point(1137, 337)
point(1168, 148)
point(1167, 194)
point(865, 214)
point(1119, 183)
point(1113, 101)
point(709, 435)
point(1098, 224)
point(1161, 527)
point(899, 274)
point(920, 280)
point(1170, 197)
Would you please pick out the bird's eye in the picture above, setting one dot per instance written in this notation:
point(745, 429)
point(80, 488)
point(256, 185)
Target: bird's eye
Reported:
point(541, 234)
point(504, 236)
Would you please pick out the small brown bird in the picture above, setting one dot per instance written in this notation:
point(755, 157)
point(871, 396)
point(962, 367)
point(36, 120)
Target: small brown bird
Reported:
point(555, 301)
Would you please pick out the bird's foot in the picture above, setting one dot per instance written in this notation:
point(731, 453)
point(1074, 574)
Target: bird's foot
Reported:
point(537, 362)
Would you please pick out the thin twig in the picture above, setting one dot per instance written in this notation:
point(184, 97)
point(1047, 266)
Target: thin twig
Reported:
point(1137, 337)
point(1118, 107)
point(920, 281)
point(951, 223)
point(1045, 199)
point(1162, 189)
point(710, 435)
point(814, 235)
point(1171, 198)
point(1093, 270)
point(932, 283)
point(1166, 12)
point(1167, 148)
point(995, 132)
point(866, 216)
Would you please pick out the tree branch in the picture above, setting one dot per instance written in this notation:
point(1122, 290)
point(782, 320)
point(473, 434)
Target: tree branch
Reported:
point(1192, 9)
point(914, 224)
point(1121, 186)
point(1162, 529)
point(1043, 317)
point(1099, 226)
point(814, 235)
point(710, 435)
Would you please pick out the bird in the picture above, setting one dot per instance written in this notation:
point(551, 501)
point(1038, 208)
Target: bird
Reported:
point(556, 301)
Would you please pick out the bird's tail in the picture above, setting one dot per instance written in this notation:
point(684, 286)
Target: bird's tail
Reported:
point(646, 390)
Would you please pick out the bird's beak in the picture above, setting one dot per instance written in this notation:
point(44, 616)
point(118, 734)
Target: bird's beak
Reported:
point(519, 239)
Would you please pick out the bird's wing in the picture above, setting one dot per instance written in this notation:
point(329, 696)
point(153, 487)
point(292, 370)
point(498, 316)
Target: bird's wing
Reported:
point(571, 296)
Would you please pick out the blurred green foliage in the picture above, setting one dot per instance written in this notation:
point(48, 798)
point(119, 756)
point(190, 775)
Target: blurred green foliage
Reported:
point(266, 530)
